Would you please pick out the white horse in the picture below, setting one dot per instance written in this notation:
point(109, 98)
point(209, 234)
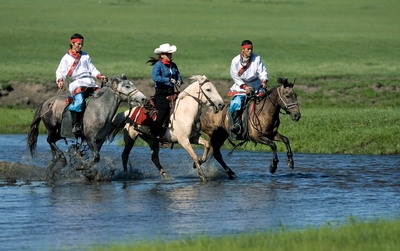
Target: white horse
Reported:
point(184, 124)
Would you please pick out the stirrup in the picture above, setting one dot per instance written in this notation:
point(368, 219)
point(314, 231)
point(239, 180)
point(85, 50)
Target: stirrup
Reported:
point(236, 128)
point(76, 128)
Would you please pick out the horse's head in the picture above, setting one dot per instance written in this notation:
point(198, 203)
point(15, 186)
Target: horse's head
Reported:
point(288, 99)
point(205, 92)
point(127, 91)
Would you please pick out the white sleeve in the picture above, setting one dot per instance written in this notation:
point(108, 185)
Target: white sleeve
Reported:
point(262, 71)
point(62, 69)
point(93, 70)
point(234, 72)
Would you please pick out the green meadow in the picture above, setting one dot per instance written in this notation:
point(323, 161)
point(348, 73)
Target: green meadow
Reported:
point(362, 236)
point(344, 55)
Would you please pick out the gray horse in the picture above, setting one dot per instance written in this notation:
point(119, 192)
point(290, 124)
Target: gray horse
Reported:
point(97, 119)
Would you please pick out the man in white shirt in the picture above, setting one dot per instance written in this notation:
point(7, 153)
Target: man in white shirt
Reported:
point(77, 65)
point(249, 74)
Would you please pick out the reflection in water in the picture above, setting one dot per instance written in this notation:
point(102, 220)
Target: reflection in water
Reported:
point(75, 214)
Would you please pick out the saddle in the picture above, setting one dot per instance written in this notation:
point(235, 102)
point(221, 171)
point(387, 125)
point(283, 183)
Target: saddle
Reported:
point(144, 116)
point(66, 121)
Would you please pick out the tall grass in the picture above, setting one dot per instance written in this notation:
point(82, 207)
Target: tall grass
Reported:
point(365, 236)
point(16, 121)
point(303, 39)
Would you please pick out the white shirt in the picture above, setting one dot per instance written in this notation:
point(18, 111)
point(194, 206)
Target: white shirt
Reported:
point(252, 76)
point(82, 74)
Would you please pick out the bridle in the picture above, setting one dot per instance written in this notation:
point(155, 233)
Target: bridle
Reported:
point(255, 120)
point(205, 95)
point(289, 106)
point(201, 91)
point(129, 95)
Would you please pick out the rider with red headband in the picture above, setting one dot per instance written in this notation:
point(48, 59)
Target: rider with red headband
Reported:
point(78, 66)
point(249, 74)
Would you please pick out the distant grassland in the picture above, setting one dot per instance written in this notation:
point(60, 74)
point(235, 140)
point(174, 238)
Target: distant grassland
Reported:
point(365, 236)
point(343, 53)
point(297, 39)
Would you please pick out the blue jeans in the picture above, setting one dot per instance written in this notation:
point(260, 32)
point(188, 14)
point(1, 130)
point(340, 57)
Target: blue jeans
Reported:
point(237, 103)
point(77, 105)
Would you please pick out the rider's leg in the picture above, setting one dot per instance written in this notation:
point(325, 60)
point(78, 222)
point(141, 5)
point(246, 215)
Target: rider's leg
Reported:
point(236, 112)
point(76, 112)
point(162, 115)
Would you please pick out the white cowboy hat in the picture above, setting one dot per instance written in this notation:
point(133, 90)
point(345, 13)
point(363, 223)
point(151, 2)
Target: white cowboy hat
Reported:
point(165, 48)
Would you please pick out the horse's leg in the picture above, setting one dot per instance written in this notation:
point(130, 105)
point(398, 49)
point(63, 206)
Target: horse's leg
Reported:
point(155, 149)
point(281, 138)
point(207, 148)
point(217, 140)
point(57, 154)
point(129, 143)
point(266, 141)
point(185, 143)
point(96, 156)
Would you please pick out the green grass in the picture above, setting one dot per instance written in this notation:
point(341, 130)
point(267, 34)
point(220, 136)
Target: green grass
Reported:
point(16, 121)
point(363, 236)
point(304, 39)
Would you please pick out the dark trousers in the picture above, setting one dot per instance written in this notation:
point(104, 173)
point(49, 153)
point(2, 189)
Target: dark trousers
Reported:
point(162, 105)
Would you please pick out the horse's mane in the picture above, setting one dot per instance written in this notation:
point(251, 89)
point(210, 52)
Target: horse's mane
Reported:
point(281, 81)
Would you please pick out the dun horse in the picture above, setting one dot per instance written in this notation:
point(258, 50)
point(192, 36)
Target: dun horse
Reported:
point(263, 123)
point(97, 119)
point(183, 129)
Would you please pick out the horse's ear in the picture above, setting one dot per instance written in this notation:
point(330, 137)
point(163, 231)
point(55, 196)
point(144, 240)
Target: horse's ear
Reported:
point(194, 78)
point(123, 76)
point(282, 81)
point(114, 83)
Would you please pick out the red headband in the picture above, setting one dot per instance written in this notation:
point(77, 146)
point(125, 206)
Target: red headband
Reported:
point(247, 46)
point(74, 40)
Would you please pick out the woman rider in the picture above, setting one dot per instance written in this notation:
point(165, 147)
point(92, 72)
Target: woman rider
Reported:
point(166, 75)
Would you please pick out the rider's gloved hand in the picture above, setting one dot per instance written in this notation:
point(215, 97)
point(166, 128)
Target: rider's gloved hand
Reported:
point(178, 83)
point(249, 91)
point(172, 80)
point(264, 84)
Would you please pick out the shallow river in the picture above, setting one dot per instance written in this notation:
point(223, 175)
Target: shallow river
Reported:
point(70, 215)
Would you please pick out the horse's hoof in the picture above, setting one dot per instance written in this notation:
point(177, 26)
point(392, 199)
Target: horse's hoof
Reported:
point(165, 176)
point(82, 167)
point(290, 164)
point(63, 161)
point(272, 169)
point(203, 179)
point(232, 175)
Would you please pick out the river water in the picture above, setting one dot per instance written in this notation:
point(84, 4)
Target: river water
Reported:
point(142, 206)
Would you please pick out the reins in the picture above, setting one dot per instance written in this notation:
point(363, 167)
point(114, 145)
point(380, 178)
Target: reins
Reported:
point(255, 121)
point(287, 106)
point(198, 98)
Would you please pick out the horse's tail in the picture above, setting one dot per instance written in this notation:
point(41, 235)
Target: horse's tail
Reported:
point(33, 133)
point(113, 133)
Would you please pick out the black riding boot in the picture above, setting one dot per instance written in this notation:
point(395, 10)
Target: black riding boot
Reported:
point(76, 123)
point(157, 129)
point(237, 122)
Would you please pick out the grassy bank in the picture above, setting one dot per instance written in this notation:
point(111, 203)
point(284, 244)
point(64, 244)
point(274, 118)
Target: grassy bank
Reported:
point(379, 235)
point(327, 130)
